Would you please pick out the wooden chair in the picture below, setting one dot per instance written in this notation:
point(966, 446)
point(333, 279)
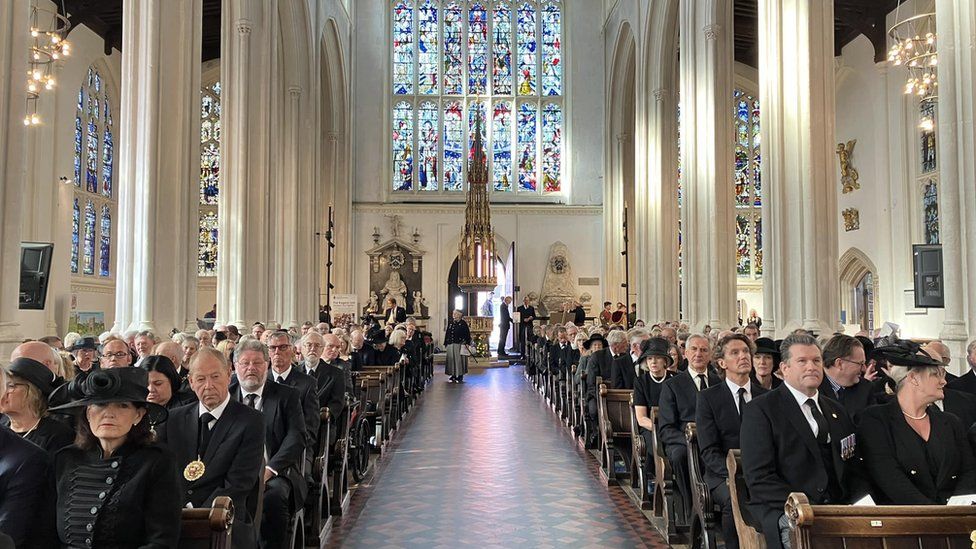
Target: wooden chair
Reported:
point(705, 520)
point(639, 480)
point(615, 431)
point(317, 511)
point(208, 528)
point(747, 527)
point(880, 527)
point(672, 520)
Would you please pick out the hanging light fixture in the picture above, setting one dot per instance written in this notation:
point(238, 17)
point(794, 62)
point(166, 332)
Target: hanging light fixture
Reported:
point(914, 45)
point(48, 29)
point(476, 254)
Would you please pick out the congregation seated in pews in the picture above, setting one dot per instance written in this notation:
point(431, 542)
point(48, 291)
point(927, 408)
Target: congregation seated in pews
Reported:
point(133, 442)
point(762, 443)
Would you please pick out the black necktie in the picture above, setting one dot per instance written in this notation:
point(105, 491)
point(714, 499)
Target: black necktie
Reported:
point(822, 429)
point(204, 440)
point(702, 382)
point(249, 400)
point(279, 379)
point(742, 400)
point(840, 394)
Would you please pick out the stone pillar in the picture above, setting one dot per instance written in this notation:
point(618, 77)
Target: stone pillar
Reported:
point(656, 211)
point(286, 233)
point(796, 84)
point(159, 164)
point(613, 224)
point(706, 142)
point(248, 46)
point(14, 49)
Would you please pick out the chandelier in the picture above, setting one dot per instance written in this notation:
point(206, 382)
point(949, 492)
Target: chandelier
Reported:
point(476, 253)
point(914, 46)
point(48, 29)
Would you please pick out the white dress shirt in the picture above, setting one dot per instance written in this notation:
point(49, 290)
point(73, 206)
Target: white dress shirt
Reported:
point(216, 412)
point(258, 402)
point(697, 380)
point(801, 400)
point(282, 377)
point(735, 392)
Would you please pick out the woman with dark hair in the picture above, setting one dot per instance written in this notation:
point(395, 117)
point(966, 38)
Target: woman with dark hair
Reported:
point(24, 402)
point(916, 453)
point(765, 363)
point(116, 487)
point(164, 382)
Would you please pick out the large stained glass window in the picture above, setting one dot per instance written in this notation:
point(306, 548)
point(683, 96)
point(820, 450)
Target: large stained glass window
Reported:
point(456, 60)
point(748, 186)
point(928, 178)
point(930, 208)
point(94, 202)
point(209, 178)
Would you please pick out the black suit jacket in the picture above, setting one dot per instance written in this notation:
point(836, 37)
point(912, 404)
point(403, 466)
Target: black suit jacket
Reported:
point(597, 366)
point(961, 405)
point(622, 372)
point(400, 314)
point(25, 493)
point(679, 400)
point(284, 433)
point(506, 316)
point(306, 386)
point(331, 387)
point(856, 398)
point(780, 453)
point(965, 383)
point(717, 423)
point(233, 456)
point(897, 461)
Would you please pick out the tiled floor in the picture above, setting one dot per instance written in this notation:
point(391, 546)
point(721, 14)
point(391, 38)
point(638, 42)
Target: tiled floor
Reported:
point(485, 463)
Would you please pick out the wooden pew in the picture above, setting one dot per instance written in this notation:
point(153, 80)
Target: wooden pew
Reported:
point(339, 464)
point(745, 525)
point(391, 389)
point(704, 520)
point(208, 528)
point(665, 507)
point(615, 431)
point(640, 481)
point(880, 527)
point(373, 391)
point(317, 506)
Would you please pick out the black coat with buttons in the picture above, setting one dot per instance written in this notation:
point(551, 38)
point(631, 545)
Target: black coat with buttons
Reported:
point(907, 471)
point(130, 500)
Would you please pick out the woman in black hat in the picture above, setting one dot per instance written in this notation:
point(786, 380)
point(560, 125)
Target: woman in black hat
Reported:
point(24, 402)
point(116, 487)
point(765, 363)
point(916, 454)
point(456, 336)
point(654, 361)
point(84, 351)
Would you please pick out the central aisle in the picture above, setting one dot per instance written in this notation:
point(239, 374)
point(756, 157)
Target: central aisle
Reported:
point(487, 463)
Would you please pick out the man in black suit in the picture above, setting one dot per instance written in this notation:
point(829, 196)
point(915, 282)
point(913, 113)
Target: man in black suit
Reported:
point(284, 431)
point(844, 360)
point(504, 325)
point(797, 440)
point(322, 363)
point(679, 399)
point(718, 418)
point(195, 432)
point(282, 352)
point(967, 382)
point(393, 314)
point(622, 372)
point(26, 490)
point(526, 315)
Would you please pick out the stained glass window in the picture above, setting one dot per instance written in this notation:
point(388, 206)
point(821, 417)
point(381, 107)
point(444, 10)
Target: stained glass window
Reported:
point(476, 110)
point(75, 234)
point(105, 243)
point(930, 207)
point(94, 179)
point(454, 58)
point(502, 146)
point(207, 259)
point(402, 147)
point(928, 149)
point(89, 250)
point(403, 61)
point(748, 185)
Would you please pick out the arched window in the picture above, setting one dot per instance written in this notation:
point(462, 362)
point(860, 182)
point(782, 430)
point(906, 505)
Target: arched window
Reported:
point(748, 187)
point(457, 60)
point(928, 180)
point(94, 202)
point(209, 178)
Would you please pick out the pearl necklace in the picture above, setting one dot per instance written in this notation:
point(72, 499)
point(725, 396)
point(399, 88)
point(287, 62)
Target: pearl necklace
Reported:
point(919, 418)
point(656, 380)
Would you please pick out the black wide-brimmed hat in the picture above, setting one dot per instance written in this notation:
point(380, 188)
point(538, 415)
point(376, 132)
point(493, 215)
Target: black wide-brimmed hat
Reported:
point(597, 337)
point(766, 346)
point(906, 353)
point(128, 384)
point(868, 346)
point(655, 346)
point(84, 343)
point(376, 335)
point(34, 373)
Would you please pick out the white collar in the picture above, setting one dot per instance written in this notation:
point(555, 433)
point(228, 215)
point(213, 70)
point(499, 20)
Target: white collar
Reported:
point(216, 412)
point(735, 388)
point(691, 372)
point(259, 392)
point(283, 375)
point(801, 398)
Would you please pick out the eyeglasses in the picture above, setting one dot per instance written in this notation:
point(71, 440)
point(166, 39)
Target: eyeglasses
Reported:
point(860, 364)
point(119, 354)
point(278, 347)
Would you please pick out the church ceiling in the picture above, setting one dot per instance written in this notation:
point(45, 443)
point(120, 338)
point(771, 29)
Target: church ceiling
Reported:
point(851, 18)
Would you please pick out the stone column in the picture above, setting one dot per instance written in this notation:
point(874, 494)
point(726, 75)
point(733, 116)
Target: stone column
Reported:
point(613, 224)
point(159, 164)
point(656, 214)
point(287, 221)
point(796, 84)
point(248, 46)
point(14, 47)
point(706, 139)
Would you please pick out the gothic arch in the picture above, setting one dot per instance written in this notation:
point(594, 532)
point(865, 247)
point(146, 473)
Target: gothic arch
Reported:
point(853, 266)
